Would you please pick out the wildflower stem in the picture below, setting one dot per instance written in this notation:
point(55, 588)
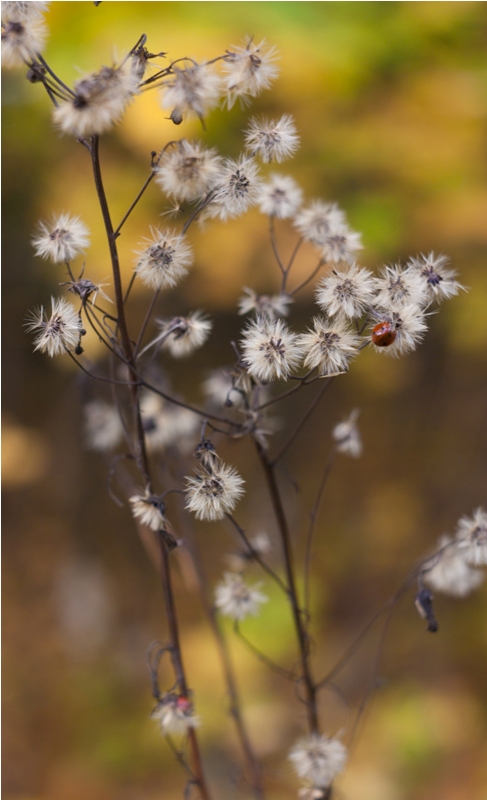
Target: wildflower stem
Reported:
point(302, 637)
point(301, 285)
point(312, 524)
point(255, 555)
point(292, 436)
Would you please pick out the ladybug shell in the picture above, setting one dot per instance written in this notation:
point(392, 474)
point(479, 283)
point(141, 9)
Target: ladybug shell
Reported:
point(184, 703)
point(384, 334)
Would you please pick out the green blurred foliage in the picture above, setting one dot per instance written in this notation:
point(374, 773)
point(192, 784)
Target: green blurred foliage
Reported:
point(389, 99)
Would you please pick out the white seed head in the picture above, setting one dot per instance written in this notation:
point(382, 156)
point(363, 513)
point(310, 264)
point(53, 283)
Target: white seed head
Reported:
point(148, 509)
point(237, 191)
point(22, 38)
point(440, 282)
point(318, 759)
point(103, 427)
point(398, 287)
point(236, 599)
point(330, 346)
point(264, 305)
point(408, 324)
point(191, 91)
point(188, 171)
point(448, 572)
point(280, 197)
point(182, 335)
point(273, 140)
point(341, 245)
point(347, 437)
point(99, 102)
point(175, 715)
point(471, 537)
point(62, 239)
point(22, 11)
point(167, 425)
point(249, 70)
point(212, 494)
point(225, 387)
point(164, 260)
point(316, 221)
point(59, 333)
point(346, 292)
point(271, 350)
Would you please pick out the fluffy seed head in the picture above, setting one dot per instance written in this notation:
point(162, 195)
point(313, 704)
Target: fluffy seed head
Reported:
point(236, 599)
point(182, 335)
point(347, 437)
point(330, 346)
point(408, 324)
point(238, 189)
point(103, 427)
point(398, 287)
point(99, 102)
point(271, 351)
point(273, 140)
point(448, 572)
point(212, 494)
point(191, 92)
point(280, 197)
point(148, 509)
point(440, 282)
point(61, 332)
point(62, 239)
point(316, 221)
point(167, 425)
point(175, 714)
point(264, 305)
point(22, 11)
point(318, 759)
point(249, 70)
point(346, 292)
point(188, 171)
point(165, 259)
point(22, 38)
point(471, 536)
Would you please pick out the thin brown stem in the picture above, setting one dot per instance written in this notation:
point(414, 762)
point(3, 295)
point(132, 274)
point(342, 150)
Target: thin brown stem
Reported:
point(312, 525)
point(302, 637)
point(308, 279)
point(292, 436)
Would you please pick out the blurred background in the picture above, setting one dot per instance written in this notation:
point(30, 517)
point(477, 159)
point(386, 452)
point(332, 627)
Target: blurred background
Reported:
point(389, 99)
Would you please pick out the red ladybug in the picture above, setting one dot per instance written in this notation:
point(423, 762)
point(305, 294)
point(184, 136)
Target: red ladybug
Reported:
point(384, 334)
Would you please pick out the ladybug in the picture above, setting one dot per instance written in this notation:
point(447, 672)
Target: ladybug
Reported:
point(384, 334)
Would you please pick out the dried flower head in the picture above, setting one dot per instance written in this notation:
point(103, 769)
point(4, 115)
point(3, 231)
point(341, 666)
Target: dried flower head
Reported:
point(103, 427)
point(346, 292)
point(148, 509)
point(99, 101)
point(341, 245)
point(346, 436)
point(238, 190)
point(212, 494)
point(271, 351)
point(167, 425)
point(273, 140)
point(22, 38)
point(175, 714)
point(330, 346)
point(398, 287)
point(236, 599)
point(318, 759)
point(227, 387)
point(264, 305)
point(206, 454)
point(62, 239)
point(249, 70)
point(182, 335)
point(165, 259)
point(280, 197)
point(440, 282)
point(448, 572)
point(22, 11)
point(191, 91)
point(188, 170)
point(471, 537)
point(61, 332)
point(398, 332)
point(316, 221)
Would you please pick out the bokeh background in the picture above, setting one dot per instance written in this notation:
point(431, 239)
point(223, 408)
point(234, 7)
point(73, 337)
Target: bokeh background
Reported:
point(389, 99)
